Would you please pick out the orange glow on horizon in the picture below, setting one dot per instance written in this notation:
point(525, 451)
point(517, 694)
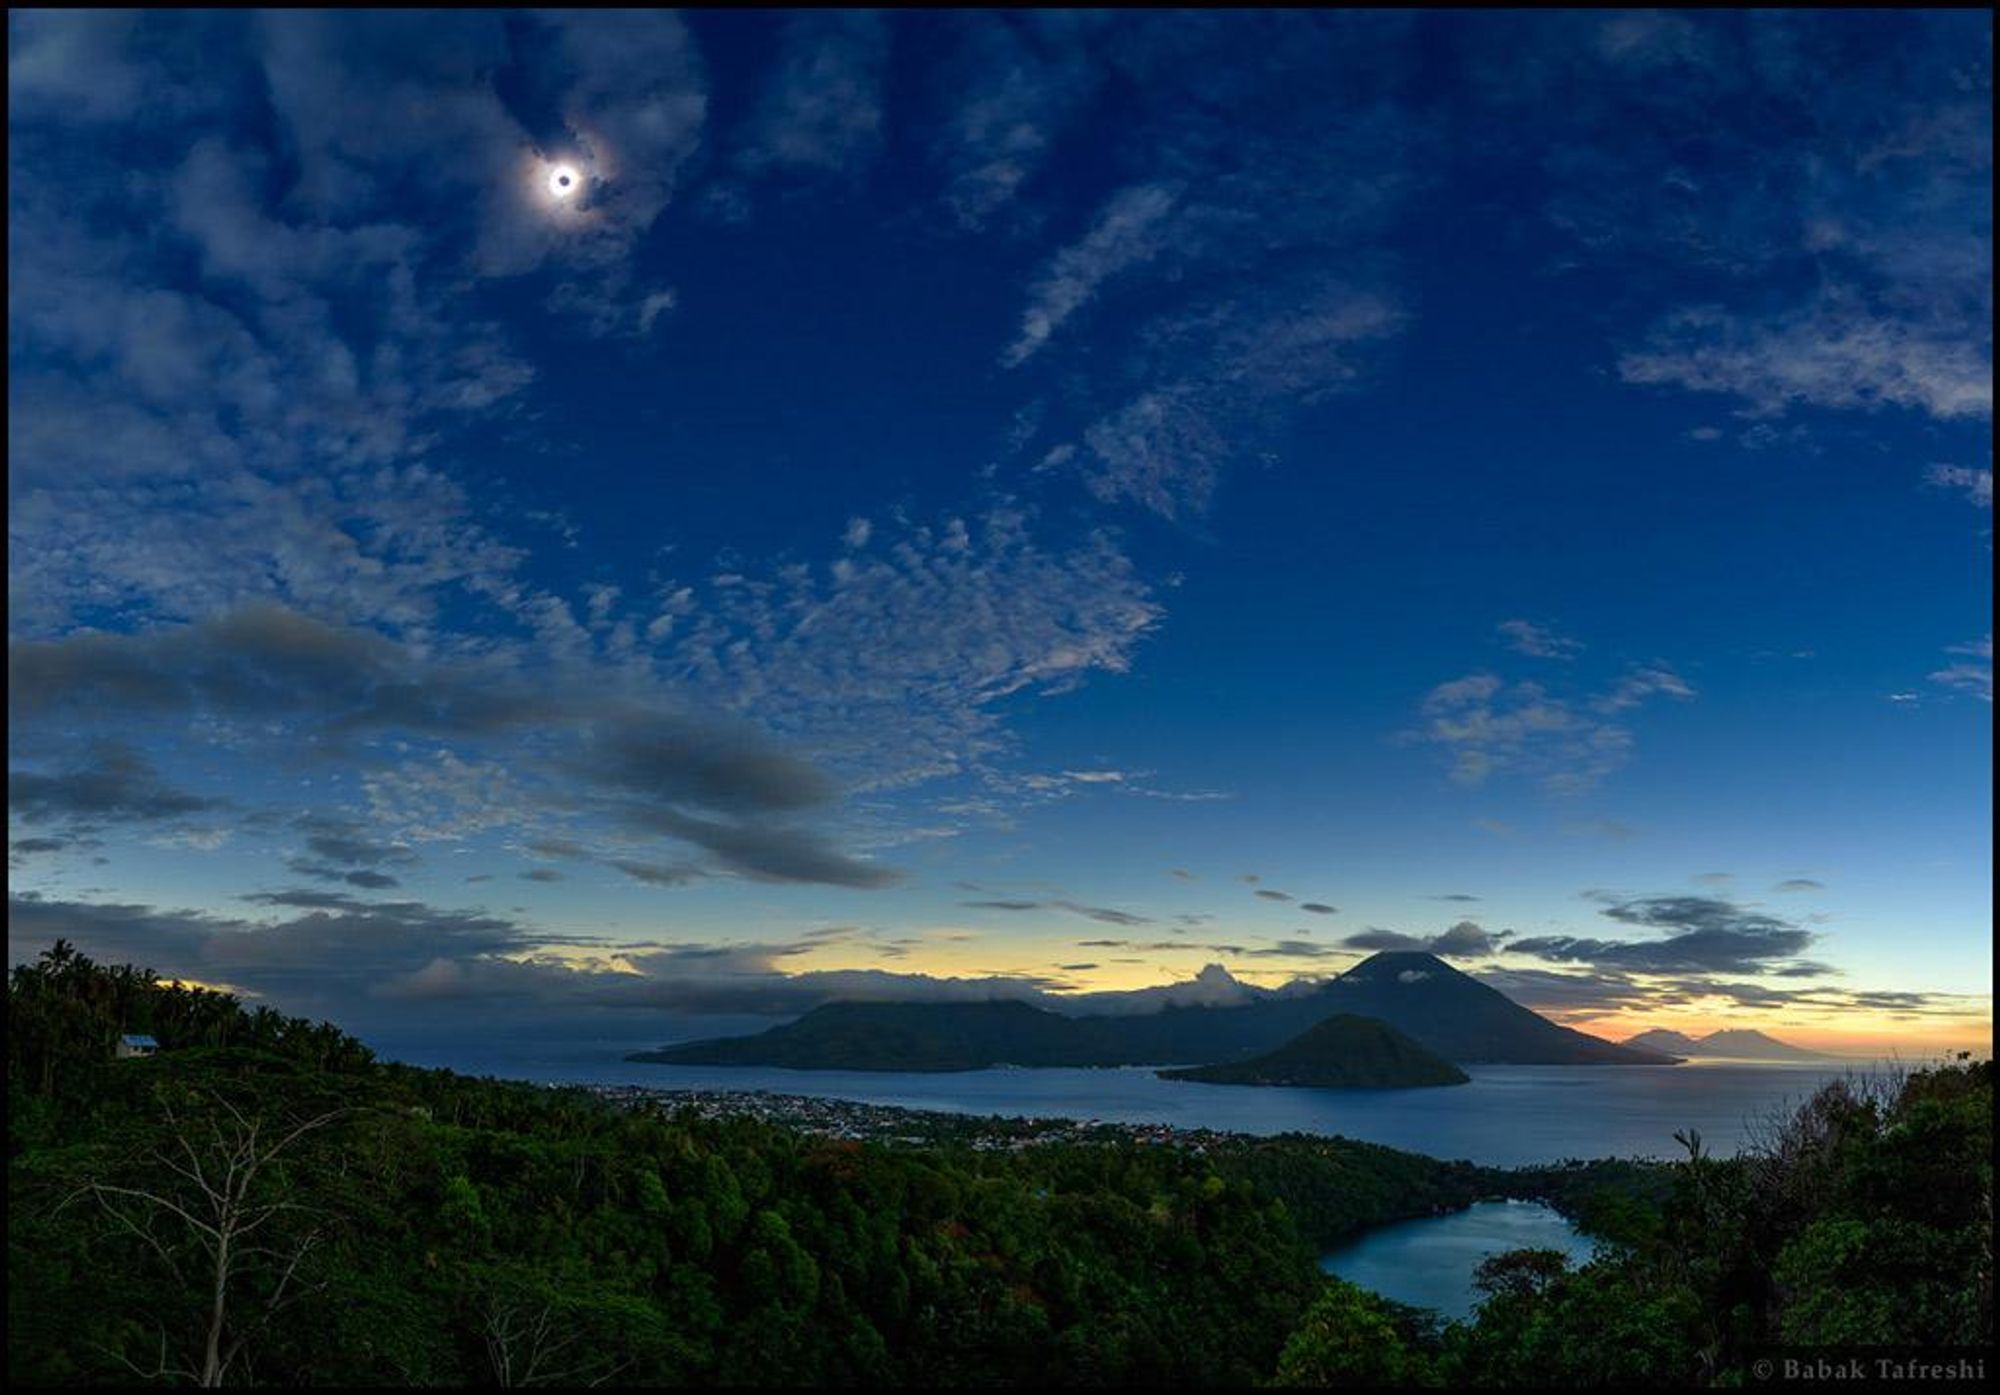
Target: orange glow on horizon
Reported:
point(195, 985)
point(1855, 1034)
point(1066, 967)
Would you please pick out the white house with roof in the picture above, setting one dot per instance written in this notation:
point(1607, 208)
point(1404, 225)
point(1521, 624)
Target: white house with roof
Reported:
point(136, 1044)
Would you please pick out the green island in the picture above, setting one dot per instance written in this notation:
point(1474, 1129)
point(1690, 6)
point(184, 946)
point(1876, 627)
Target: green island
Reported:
point(261, 1201)
point(1345, 1052)
point(1444, 1010)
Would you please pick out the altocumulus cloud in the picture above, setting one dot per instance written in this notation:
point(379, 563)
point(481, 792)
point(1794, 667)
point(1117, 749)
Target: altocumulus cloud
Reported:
point(215, 395)
point(327, 330)
point(1844, 161)
point(1022, 78)
point(373, 962)
point(1105, 914)
point(1972, 674)
point(1465, 940)
point(341, 850)
point(1581, 994)
point(822, 109)
point(1976, 485)
point(1537, 641)
point(1275, 123)
point(110, 783)
point(889, 664)
point(711, 782)
point(1568, 742)
point(367, 962)
point(1705, 934)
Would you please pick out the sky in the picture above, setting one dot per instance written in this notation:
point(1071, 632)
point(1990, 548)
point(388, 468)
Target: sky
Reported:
point(966, 504)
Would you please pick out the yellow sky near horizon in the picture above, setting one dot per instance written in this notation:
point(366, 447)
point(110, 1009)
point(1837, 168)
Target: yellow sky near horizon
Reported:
point(1068, 967)
point(1872, 1037)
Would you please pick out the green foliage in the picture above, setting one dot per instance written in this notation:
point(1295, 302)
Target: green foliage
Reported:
point(1618, 1201)
point(431, 1229)
point(1520, 1274)
point(1350, 1338)
point(1332, 1188)
point(65, 1014)
point(1863, 1218)
point(456, 1231)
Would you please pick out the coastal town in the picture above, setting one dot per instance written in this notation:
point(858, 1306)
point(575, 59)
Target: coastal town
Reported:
point(878, 1123)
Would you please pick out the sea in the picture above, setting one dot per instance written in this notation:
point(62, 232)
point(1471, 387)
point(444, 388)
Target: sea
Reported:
point(1508, 1116)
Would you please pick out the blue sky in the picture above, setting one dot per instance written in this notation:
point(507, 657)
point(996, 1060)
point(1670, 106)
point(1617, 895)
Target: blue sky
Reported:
point(988, 503)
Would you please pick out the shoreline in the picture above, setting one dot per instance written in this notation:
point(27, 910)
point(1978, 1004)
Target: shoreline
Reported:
point(859, 1121)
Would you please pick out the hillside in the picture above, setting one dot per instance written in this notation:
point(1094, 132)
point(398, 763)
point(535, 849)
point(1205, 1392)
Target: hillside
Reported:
point(400, 1228)
point(1445, 1011)
point(1746, 1044)
point(1464, 1020)
point(904, 1037)
point(1344, 1052)
point(420, 1228)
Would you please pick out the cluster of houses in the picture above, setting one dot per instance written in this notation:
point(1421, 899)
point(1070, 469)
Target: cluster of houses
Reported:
point(854, 1120)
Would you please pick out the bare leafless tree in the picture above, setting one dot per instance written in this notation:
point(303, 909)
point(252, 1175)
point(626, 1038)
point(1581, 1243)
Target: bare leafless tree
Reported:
point(209, 1219)
point(528, 1345)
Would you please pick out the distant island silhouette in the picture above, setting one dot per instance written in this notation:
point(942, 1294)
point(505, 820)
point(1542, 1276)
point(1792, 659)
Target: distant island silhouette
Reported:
point(1736, 1043)
point(1444, 1011)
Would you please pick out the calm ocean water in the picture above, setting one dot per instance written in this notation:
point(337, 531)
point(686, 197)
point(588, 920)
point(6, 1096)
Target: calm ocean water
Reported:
point(1429, 1263)
point(1507, 1116)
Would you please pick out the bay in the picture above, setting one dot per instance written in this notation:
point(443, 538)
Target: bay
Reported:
point(1429, 1262)
point(1508, 1116)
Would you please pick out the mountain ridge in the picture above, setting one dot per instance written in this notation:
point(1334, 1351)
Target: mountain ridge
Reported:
point(1664, 1039)
point(1737, 1043)
point(1343, 1052)
point(1443, 1009)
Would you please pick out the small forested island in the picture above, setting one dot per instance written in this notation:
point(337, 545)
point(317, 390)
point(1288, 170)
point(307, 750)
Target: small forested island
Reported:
point(255, 1199)
point(1345, 1052)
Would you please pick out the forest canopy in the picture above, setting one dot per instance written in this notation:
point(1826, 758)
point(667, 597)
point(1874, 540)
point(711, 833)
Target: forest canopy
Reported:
point(264, 1202)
